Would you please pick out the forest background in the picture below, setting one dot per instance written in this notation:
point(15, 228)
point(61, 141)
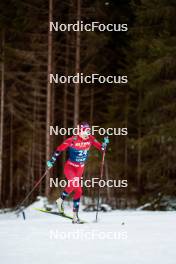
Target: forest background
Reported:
point(146, 105)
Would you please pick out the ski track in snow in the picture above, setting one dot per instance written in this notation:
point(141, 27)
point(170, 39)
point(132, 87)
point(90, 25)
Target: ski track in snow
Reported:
point(144, 238)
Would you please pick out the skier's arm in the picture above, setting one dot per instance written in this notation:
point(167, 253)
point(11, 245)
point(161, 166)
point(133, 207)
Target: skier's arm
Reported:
point(58, 151)
point(98, 145)
point(67, 143)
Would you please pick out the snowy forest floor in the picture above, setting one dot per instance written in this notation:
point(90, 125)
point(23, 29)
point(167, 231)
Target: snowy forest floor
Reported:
point(124, 237)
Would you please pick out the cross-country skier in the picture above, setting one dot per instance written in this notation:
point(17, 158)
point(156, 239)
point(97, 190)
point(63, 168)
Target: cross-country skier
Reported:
point(78, 148)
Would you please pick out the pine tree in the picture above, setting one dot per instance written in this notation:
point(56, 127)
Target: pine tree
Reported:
point(153, 81)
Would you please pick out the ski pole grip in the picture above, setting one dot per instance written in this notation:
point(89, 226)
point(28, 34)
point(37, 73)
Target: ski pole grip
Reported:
point(106, 140)
point(105, 143)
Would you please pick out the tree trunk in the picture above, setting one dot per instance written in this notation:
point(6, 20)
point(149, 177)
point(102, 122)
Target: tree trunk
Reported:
point(33, 147)
point(2, 111)
point(65, 111)
point(49, 94)
point(126, 146)
point(139, 148)
point(91, 105)
point(77, 85)
point(11, 157)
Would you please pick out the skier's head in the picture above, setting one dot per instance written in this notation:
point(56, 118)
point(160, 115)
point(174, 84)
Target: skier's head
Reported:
point(84, 130)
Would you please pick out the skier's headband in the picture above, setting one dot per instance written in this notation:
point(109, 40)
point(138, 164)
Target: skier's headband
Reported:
point(84, 128)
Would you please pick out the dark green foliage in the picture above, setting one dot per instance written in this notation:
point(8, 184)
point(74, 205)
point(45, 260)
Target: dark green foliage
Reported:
point(153, 80)
point(146, 106)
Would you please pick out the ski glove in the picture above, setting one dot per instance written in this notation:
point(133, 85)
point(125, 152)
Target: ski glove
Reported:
point(50, 163)
point(105, 143)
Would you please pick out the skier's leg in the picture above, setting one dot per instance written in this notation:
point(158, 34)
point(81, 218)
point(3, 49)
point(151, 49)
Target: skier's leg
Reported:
point(64, 195)
point(60, 202)
point(76, 203)
point(76, 198)
point(69, 173)
point(76, 219)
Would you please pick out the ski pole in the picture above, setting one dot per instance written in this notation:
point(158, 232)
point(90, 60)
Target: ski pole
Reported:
point(104, 145)
point(101, 176)
point(18, 208)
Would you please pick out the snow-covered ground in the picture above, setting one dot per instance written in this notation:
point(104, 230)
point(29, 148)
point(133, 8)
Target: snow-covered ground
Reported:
point(124, 237)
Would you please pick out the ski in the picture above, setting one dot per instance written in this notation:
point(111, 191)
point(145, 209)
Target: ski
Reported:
point(57, 213)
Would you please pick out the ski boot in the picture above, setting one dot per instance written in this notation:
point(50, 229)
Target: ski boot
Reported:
point(76, 219)
point(60, 205)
